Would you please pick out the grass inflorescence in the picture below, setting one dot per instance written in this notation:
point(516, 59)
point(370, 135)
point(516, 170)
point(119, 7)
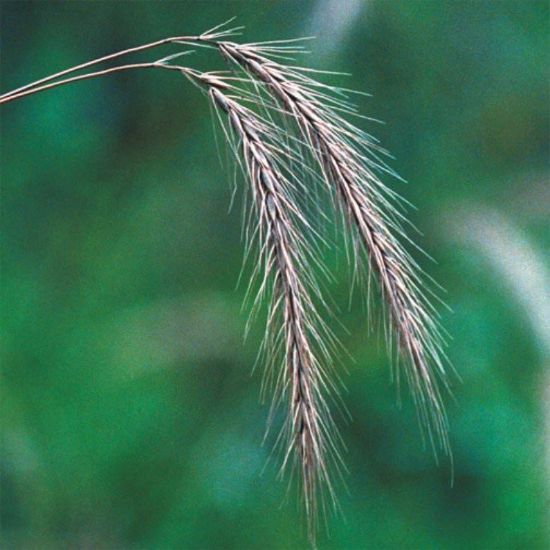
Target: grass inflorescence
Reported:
point(289, 132)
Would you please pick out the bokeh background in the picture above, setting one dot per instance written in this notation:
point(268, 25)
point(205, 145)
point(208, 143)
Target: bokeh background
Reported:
point(130, 418)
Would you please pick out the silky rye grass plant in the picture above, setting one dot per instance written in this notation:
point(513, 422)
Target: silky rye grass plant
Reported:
point(293, 138)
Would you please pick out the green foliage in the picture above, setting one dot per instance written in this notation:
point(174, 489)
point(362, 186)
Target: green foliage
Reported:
point(130, 419)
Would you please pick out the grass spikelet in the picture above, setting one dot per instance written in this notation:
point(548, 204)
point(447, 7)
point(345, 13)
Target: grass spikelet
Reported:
point(292, 318)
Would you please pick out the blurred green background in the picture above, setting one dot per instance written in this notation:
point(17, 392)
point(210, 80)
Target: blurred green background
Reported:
point(130, 418)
